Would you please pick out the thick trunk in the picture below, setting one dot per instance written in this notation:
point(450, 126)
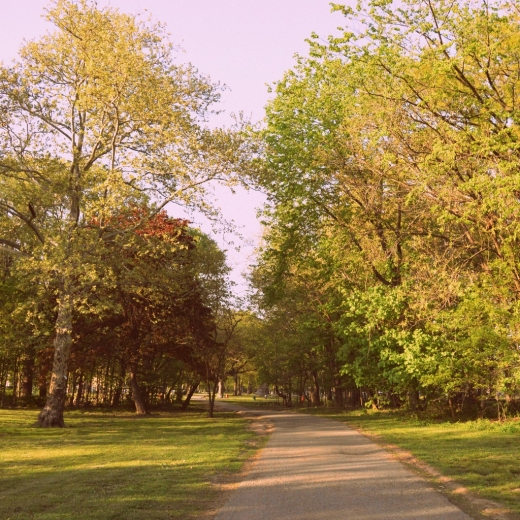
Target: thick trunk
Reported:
point(140, 405)
point(190, 395)
point(52, 413)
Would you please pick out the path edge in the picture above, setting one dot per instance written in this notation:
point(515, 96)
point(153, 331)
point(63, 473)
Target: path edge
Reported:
point(469, 502)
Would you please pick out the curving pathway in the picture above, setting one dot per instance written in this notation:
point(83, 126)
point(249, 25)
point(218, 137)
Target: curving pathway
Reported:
point(316, 468)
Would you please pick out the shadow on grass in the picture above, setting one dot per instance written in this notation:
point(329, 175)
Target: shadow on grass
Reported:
point(111, 467)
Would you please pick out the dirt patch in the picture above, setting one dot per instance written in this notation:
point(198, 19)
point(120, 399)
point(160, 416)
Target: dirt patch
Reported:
point(475, 506)
point(259, 425)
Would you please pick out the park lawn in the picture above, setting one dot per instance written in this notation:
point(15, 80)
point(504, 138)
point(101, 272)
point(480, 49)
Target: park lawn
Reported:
point(484, 456)
point(252, 401)
point(116, 465)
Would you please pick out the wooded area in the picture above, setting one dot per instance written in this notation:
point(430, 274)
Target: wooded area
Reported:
point(102, 293)
point(389, 270)
point(389, 274)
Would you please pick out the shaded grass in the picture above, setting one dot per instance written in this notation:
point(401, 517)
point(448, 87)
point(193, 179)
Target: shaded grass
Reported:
point(482, 455)
point(117, 465)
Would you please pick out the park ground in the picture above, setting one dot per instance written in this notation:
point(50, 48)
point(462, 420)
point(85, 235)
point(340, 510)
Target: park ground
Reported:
point(116, 465)
point(113, 464)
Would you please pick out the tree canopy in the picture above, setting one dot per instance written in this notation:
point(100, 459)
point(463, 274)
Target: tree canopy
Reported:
point(97, 119)
point(392, 169)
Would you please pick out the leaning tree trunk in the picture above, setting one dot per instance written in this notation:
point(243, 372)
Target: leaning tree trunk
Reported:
point(189, 395)
point(316, 401)
point(52, 413)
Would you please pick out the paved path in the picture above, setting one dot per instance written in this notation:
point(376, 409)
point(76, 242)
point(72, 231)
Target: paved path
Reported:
point(316, 468)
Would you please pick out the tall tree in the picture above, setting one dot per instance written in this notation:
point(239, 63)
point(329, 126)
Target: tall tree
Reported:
point(392, 175)
point(95, 115)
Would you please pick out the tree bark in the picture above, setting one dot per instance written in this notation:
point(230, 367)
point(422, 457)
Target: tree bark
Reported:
point(413, 400)
point(338, 393)
point(116, 399)
point(79, 394)
point(73, 388)
point(211, 396)
point(189, 395)
point(316, 401)
point(52, 413)
point(140, 405)
point(178, 393)
point(28, 373)
point(3, 382)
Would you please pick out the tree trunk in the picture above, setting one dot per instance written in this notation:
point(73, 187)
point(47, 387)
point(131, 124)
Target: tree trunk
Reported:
point(190, 395)
point(3, 382)
point(329, 394)
point(28, 374)
point(211, 396)
point(140, 405)
point(338, 393)
point(15, 381)
point(316, 401)
point(178, 392)
point(413, 400)
point(72, 395)
point(116, 400)
point(79, 395)
point(52, 413)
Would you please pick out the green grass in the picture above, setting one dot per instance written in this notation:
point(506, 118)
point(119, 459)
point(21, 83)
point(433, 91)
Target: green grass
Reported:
point(117, 465)
point(247, 400)
point(481, 455)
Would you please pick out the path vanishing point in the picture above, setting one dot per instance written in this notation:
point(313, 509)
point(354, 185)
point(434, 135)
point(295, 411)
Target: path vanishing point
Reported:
point(316, 468)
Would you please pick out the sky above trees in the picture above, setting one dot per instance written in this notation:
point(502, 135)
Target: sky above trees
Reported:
point(242, 44)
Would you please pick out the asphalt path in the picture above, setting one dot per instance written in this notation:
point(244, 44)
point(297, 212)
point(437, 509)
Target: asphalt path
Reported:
point(316, 468)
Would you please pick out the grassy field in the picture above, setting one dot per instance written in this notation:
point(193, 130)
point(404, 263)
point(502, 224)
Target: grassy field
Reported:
point(117, 466)
point(482, 455)
point(247, 400)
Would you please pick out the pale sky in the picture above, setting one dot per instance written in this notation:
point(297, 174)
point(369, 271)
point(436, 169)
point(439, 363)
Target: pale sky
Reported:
point(244, 44)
